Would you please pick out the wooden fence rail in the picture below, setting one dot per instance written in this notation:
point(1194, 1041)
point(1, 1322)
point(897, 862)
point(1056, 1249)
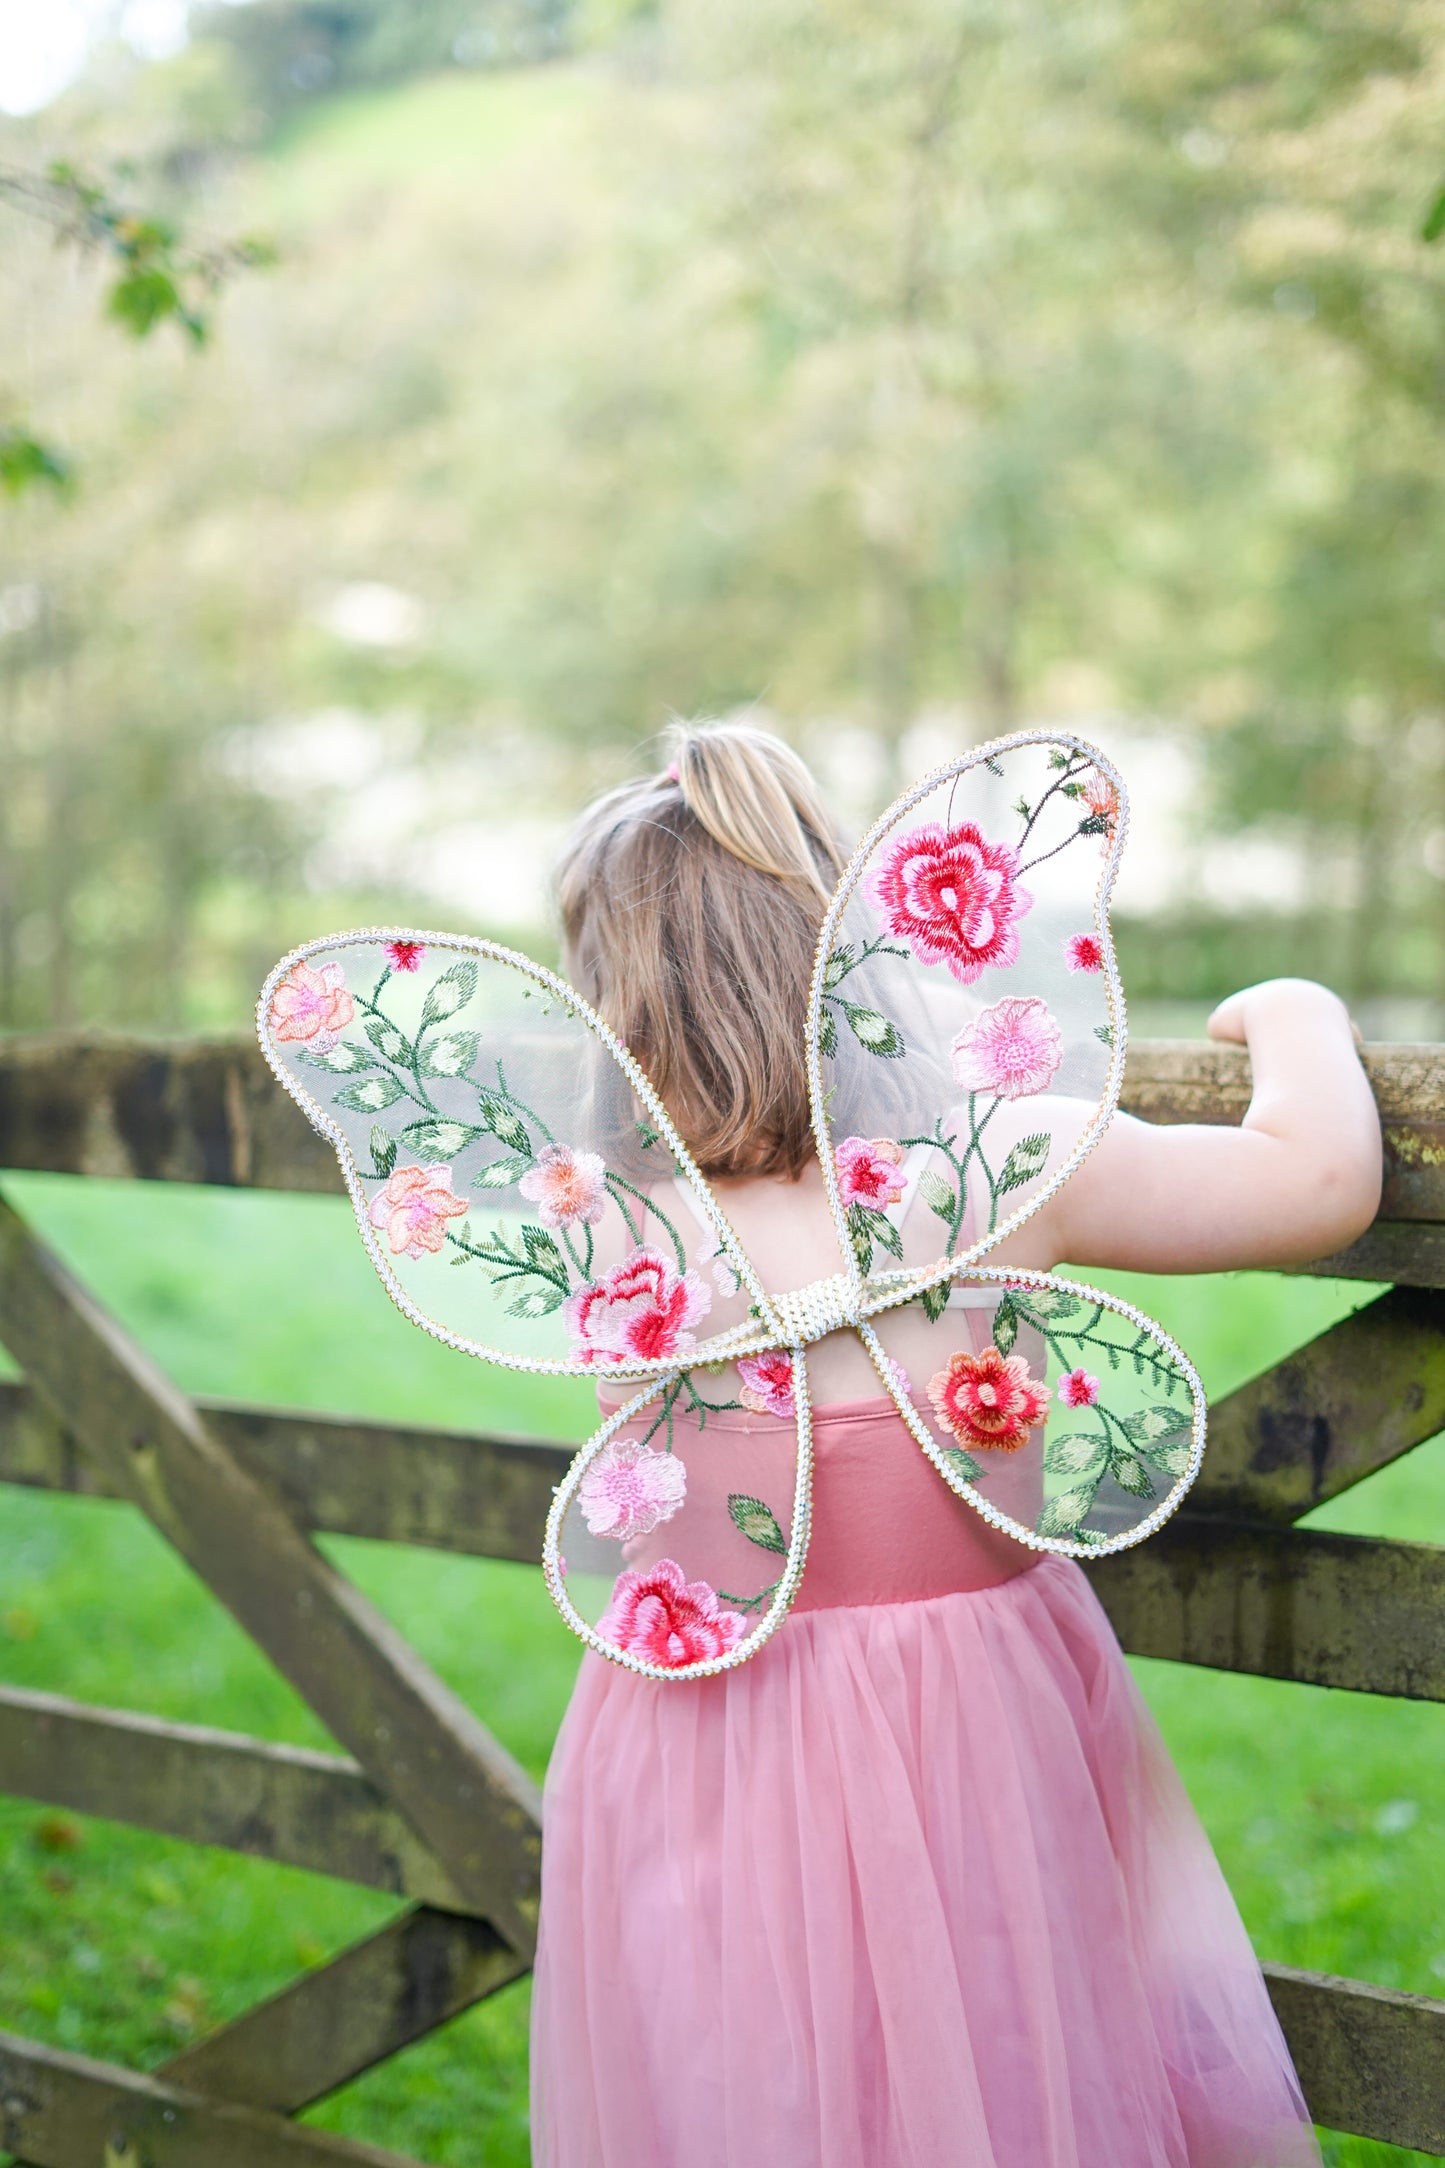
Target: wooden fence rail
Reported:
point(425, 1804)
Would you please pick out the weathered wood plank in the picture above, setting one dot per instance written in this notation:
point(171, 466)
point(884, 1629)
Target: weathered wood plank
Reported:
point(1409, 1252)
point(284, 1803)
point(1285, 1603)
point(1369, 1389)
point(418, 1971)
point(67, 2111)
point(467, 1799)
point(1370, 2060)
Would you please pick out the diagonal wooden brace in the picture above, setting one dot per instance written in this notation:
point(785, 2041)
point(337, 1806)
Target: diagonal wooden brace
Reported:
point(420, 1744)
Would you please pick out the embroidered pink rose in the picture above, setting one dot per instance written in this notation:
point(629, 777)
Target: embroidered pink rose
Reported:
point(566, 1186)
point(1013, 1049)
point(312, 1005)
point(1077, 1389)
point(1084, 952)
point(868, 1171)
point(405, 955)
point(413, 1207)
point(953, 896)
point(767, 1386)
point(663, 1616)
point(1102, 799)
point(989, 1400)
point(630, 1489)
point(642, 1309)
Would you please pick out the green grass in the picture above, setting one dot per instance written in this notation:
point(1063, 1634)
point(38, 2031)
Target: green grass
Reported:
point(1325, 1808)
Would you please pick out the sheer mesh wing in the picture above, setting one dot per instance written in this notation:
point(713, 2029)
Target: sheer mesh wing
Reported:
point(966, 1023)
point(676, 1540)
point(1062, 1414)
point(513, 1174)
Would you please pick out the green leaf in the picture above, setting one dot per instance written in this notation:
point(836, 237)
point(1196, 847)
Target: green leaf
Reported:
point(369, 1098)
point(451, 1055)
point(1074, 1455)
point(1172, 1458)
point(1130, 1474)
point(1094, 824)
point(873, 1031)
point(383, 1150)
point(1106, 1033)
point(1028, 1159)
point(452, 991)
point(387, 1040)
point(757, 1522)
point(839, 964)
point(646, 1135)
point(939, 1196)
point(145, 296)
point(342, 1060)
point(24, 461)
point(963, 1464)
point(828, 1033)
point(1051, 1302)
point(439, 1138)
point(504, 1123)
point(935, 1301)
point(1434, 221)
point(1061, 1515)
point(542, 1251)
point(1005, 1324)
point(1145, 1425)
point(886, 1235)
point(537, 1302)
point(502, 1172)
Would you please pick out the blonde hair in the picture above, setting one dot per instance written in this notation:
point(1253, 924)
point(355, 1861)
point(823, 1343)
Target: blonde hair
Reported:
point(691, 902)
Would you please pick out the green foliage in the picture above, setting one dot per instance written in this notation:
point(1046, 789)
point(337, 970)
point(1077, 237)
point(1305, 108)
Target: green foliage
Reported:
point(24, 461)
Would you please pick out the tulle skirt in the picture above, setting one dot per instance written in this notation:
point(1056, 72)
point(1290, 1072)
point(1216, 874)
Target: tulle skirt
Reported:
point(917, 1886)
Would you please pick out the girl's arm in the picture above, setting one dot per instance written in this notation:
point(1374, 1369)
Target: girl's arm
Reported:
point(1300, 1179)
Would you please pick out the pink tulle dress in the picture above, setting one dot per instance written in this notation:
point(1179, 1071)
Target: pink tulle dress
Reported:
point(917, 1887)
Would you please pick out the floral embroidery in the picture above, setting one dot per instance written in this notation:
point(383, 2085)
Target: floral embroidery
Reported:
point(767, 1386)
point(413, 1207)
point(724, 1273)
point(1077, 1389)
point(669, 1620)
point(1012, 1049)
point(405, 955)
point(642, 1309)
point(989, 1400)
point(567, 1187)
point(630, 1489)
point(868, 1171)
point(953, 897)
point(1102, 800)
point(312, 1004)
point(1084, 952)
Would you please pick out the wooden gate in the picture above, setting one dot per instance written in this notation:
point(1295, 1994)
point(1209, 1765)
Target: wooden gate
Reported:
point(425, 1803)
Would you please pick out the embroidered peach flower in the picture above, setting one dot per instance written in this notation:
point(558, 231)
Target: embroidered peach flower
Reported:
point(312, 1005)
point(989, 1400)
point(767, 1386)
point(566, 1186)
point(1077, 1389)
point(1102, 799)
point(1013, 1048)
point(1084, 952)
point(953, 897)
point(663, 1616)
point(413, 1208)
point(642, 1309)
point(630, 1489)
point(868, 1171)
point(405, 955)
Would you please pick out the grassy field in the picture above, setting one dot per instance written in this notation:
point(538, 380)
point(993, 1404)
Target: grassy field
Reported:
point(1325, 1808)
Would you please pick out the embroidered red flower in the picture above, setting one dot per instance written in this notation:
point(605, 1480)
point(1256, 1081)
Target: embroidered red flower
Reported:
point(1013, 1048)
point(953, 896)
point(630, 1489)
point(989, 1400)
point(312, 1004)
point(405, 955)
point(1084, 952)
point(868, 1170)
point(663, 1616)
point(1077, 1389)
point(767, 1386)
point(642, 1309)
point(413, 1208)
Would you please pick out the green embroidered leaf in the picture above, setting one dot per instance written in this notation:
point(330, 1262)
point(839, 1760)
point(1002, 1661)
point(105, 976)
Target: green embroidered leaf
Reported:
point(1051, 1302)
point(502, 1172)
point(452, 991)
point(839, 964)
point(1058, 759)
point(828, 1033)
point(757, 1522)
point(1173, 1458)
point(1104, 1032)
point(342, 1060)
point(860, 1233)
point(1130, 1474)
point(542, 1251)
point(935, 1301)
point(1147, 1424)
point(1094, 824)
point(540, 1302)
point(1027, 1159)
point(647, 1136)
point(440, 1138)
point(873, 1031)
point(886, 1235)
point(939, 1196)
point(504, 1123)
point(1005, 1324)
point(383, 1150)
point(1075, 1454)
point(994, 767)
point(452, 1055)
point(963, 1464)
point(369, 1098)
point(385, 1037)
point(1022, 808)
point(1061, 1515)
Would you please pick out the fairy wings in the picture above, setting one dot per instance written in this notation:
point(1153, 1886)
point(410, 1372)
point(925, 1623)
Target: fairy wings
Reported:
point(526, 1198)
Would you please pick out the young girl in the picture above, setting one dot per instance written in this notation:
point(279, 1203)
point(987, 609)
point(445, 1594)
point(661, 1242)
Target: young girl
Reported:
point(917, 1886)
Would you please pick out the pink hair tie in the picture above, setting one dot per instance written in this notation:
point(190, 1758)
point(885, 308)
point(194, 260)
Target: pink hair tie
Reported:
point(672, 771)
